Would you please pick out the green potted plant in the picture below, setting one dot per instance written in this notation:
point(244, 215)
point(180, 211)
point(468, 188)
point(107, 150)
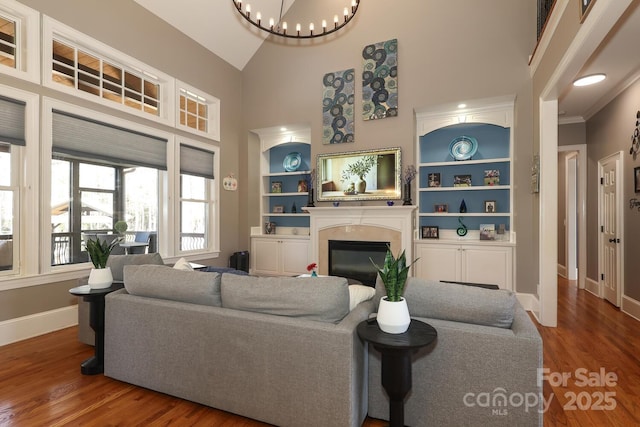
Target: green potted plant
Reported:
point(393, 314)
point(99, 250)
point(360, 169)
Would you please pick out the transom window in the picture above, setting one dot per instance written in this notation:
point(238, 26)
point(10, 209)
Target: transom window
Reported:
point(88, 72)
point(193, 111)
point(7, 42)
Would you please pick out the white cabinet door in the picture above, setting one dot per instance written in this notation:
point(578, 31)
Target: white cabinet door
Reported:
point(465, 263)
point(294, 257)
point(437, 262)
point(488, 264)
point(279, 256)
point(265, 256)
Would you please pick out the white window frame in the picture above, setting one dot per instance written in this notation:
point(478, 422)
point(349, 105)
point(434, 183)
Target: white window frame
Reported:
point(52, 29)
point(27, 40)
point(164, 198)
point(26, 236)
point(213, 112)
point(213, 221)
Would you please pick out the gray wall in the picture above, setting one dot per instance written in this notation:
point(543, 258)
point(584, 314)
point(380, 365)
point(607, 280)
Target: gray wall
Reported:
point(609, 131)
point(448, 51)
point(126, 26)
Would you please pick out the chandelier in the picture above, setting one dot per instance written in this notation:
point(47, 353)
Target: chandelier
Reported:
point(280, 28)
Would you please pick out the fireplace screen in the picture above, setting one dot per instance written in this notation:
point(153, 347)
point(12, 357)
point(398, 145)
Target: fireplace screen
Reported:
point(352, 259)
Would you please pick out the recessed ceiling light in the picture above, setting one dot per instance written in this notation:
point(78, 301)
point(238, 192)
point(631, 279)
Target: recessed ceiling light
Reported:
point(462, 105)
point(283, 129)
point(589, 80)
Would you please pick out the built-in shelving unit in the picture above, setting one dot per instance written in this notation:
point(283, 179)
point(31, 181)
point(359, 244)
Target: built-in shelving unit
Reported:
point(482, 181)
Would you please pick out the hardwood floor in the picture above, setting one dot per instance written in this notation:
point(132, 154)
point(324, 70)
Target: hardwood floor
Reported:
point(41, 384)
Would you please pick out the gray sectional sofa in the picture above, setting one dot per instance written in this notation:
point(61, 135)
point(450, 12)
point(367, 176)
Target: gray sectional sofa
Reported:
point(280, 350)
point(483, 368)
point(285, 350)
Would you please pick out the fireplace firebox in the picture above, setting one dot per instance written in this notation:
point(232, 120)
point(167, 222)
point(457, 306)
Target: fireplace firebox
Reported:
point(352, 259)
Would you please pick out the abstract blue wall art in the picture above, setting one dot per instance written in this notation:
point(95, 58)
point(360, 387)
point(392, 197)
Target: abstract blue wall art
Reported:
point(337, 107)
point(380, 80)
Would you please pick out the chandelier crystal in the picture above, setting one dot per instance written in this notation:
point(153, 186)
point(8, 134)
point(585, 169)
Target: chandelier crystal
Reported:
point(280, 27)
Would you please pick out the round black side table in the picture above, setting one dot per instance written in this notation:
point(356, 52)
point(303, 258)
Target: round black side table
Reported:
point(396, 352)
point(95, 297)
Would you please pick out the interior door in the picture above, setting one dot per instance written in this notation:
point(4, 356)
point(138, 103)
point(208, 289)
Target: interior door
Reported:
point(609, 231)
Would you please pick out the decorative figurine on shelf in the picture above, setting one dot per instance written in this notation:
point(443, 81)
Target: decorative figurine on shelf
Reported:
point(463, 207)
point(294, 208)
point(408, 176)
point(311, 268)
point(462, 230)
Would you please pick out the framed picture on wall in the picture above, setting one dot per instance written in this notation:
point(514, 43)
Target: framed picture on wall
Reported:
point(636, 179)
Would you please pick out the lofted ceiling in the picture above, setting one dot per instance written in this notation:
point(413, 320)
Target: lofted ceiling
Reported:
point(214, 23)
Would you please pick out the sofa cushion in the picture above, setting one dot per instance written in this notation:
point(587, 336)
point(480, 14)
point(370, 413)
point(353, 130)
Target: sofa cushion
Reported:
point(460, 303)
point(117, 263)
point(324, 299)
point(163, 282)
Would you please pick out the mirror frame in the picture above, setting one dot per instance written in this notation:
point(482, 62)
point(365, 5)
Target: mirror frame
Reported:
point(330, 170)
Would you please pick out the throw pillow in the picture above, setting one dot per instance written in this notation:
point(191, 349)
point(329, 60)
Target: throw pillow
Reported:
point(182, 264)
point(358, 294)
point(156, 281)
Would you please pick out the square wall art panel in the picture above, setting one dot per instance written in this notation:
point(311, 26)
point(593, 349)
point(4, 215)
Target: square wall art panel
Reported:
point(380, 80)
point(337, 107)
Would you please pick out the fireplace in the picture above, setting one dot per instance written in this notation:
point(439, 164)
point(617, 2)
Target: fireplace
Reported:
point(352, 259)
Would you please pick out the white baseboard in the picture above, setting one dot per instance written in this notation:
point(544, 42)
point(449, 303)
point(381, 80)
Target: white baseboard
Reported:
point(562, 271)
point(631, 307)
point(21, 328)
point(529, 302)
point(592, 286)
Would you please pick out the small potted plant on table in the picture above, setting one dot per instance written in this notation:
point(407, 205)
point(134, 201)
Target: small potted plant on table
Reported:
point(393, 314)
point(100, 276)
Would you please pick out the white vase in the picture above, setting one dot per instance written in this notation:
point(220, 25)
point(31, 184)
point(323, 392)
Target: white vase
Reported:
point(100, 278)
point(393, 316)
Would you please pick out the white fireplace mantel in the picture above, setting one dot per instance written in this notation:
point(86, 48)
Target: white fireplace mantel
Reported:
point(397, 219)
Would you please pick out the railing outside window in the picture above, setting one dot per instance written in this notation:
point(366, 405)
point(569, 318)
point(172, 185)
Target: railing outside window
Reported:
point(544, 10)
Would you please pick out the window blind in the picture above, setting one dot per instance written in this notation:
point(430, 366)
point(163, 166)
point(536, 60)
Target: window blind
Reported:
point(196, 161)
point(91, 139)
point(12, 121)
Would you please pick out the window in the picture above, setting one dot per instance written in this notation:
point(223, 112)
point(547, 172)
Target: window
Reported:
point(197, 222)
point(101, 174)
point(85, 67)
point(19, 41)
point(198, 112)
point(12, 131)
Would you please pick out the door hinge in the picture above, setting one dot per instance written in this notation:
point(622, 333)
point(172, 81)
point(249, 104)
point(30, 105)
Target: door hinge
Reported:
point(602, 228)
point(602, 277)
point(601, 180)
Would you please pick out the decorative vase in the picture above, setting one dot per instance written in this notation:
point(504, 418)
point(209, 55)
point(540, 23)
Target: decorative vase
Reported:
point(463, 207)
point(314, 274)
point(310, 199)
point(407, 194)
point(361, 186)
point(100, 278)
point(393, 316)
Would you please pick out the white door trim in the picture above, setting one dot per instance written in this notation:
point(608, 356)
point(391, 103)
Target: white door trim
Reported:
point(582, 209)
point(619, 158)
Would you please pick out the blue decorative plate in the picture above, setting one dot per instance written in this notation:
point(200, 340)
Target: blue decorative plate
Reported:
point(463, 147)
point(292, 162)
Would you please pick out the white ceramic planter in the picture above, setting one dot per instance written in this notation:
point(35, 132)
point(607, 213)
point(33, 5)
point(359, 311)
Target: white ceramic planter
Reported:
point(100, 278)
point(393, 317)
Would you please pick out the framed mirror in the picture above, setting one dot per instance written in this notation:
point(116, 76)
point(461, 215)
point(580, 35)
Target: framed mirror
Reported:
point(359, 175)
